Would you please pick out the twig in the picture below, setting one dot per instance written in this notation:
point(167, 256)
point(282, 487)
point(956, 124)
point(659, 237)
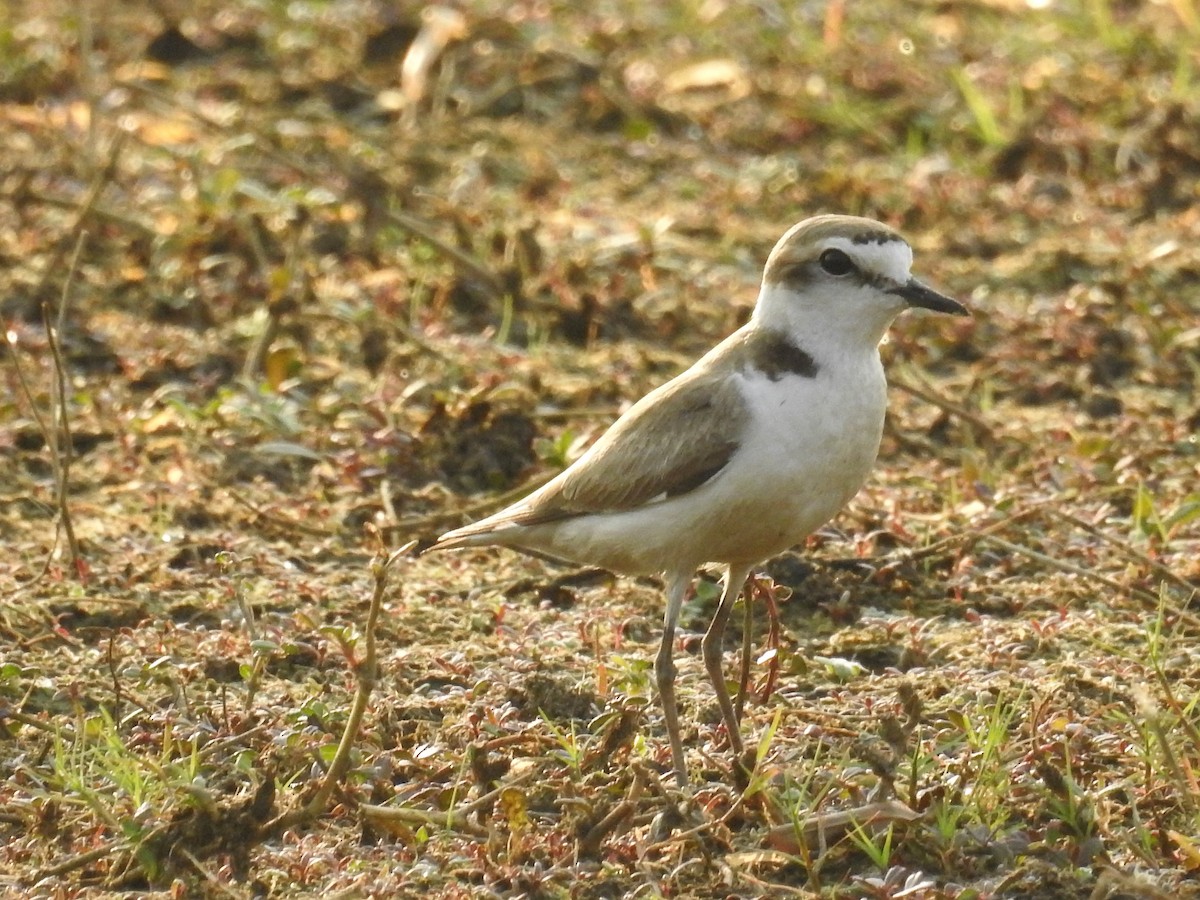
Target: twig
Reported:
point(215, 883)
point(966, 537)
point(90, 79)
point(460, 258)
point(64, 731)
point(365, 672)
point(927, 394)
point(76, 231)
point(1187, 781)
point(61, 451)
point(816, 830)
point(276, 519)
point(27, 392)
point(764, 587)
point(589, 845)
point(1128, 552)
point(1062, 565)
point(1113, 882)
point(111, 660)
point(1071, 568)
point(454, 818)
point(21, 197)
point(82, 859)
point(987, 535)
point(385, 499)
point(702, 828)
point(599, 413)
point(1181, 714)
point(739, 706)
point(58, 437)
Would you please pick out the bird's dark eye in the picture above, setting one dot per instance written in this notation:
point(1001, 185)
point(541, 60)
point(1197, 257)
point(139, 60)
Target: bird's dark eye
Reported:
point(835, 262)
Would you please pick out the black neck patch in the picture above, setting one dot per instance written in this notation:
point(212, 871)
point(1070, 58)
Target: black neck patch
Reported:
point(775, 355)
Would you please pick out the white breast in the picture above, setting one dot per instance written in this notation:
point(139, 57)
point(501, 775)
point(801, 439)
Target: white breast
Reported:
point(814, 442)
point(809, 448)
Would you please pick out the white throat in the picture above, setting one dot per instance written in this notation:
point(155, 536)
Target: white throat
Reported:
point(841, 319)
point(832, 316)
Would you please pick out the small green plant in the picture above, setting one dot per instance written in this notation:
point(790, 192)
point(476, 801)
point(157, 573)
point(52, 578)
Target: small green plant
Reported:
point(986, 127)
point(878, 848)
point(570, 749)
point(797, 802)
point(630, 675)
point(94, 766)
point(976, 748)
point(1105, 26)
point(561, 451)
point(1068, 804)
point(1145, 518)
point(758, 778)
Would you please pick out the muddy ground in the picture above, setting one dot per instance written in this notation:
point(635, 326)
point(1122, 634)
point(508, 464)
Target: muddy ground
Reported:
point(288, 286)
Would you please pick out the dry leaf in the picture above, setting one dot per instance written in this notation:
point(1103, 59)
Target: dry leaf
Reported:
point(725, 75)
point(515, 809)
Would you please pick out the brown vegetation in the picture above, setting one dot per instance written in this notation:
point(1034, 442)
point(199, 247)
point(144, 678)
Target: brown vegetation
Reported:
point(285, 285)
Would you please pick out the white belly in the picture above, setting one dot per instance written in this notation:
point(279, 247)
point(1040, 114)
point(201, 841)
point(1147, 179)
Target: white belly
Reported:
point(811, 445)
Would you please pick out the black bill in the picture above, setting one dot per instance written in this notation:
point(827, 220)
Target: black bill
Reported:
point(918, 295)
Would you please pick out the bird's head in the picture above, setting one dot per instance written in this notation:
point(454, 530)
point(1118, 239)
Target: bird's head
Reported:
point(842, 279)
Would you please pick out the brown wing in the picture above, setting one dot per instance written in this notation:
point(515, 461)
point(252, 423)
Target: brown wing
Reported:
point(669, 443)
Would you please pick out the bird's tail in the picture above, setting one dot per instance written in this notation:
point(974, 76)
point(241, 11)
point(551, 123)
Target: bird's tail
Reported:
point(477, 534)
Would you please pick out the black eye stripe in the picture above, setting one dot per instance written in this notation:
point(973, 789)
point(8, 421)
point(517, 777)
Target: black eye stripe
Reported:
point(836, 262)
point(803, 273)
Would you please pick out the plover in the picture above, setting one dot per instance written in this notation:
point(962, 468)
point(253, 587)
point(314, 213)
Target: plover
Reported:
point(745, 454)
